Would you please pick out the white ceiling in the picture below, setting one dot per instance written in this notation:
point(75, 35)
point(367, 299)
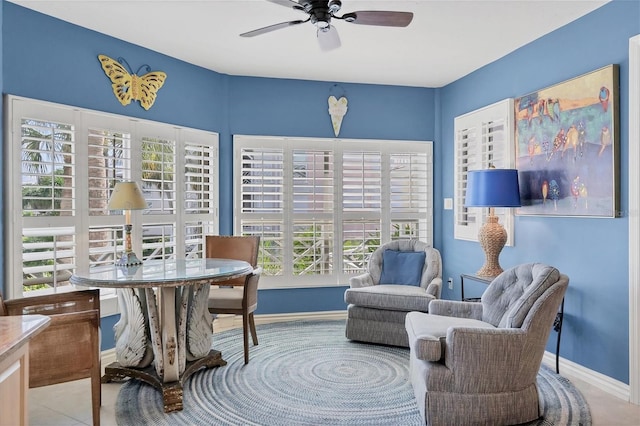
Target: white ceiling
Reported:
point(447, 39)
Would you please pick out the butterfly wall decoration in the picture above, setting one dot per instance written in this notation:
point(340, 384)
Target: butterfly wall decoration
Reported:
point(128, 86)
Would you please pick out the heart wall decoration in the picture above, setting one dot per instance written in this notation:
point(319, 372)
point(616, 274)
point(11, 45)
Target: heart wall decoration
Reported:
point(337, 111)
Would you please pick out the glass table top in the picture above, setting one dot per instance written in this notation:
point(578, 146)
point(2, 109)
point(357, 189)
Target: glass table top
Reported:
point(158, 273)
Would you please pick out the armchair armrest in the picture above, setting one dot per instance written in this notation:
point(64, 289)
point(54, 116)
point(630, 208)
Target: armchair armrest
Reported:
point(454, 308)
point(495, 350)
point(435, 287)
point(363, 280)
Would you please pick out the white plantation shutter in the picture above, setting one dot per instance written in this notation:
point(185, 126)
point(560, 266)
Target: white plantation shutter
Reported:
point(159, 174)
point(46, 200)
point(159, 185)
point(62, 164)
point(411, 183)
point(259, 191)
point(108, 161)
point(483, 139)
point(262, 175)
point(272, 248)
point(322, 206)
point(159, 241)
point(362, 181)
point(360, 238)
point(313, 201)
point(313, 181)
point(48, 256)
point(200, 187)
point(105, 244)
point(362, 178)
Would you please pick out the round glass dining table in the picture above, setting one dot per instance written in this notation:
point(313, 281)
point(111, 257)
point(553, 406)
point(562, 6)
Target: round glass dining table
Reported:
point(165, 330)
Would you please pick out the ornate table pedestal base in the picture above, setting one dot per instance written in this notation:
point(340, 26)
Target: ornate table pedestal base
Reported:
point(165, 330)
point(171, 392)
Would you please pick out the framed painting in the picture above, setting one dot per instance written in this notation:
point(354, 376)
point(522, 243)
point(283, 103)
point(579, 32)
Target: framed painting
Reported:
point(566, 140)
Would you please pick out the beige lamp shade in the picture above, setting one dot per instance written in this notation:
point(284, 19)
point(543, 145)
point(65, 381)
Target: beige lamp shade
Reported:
point(127, 196)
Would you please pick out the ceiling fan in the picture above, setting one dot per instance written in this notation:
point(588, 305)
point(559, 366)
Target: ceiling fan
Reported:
point(320, 14)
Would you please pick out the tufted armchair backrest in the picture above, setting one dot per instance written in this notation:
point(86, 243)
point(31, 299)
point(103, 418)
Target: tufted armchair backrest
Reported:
point(511, 295)
point(432, 262)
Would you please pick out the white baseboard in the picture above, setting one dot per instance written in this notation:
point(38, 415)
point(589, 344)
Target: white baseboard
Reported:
point(107, 357)
point(269, 318)
point(602, 382)
point(605, 383)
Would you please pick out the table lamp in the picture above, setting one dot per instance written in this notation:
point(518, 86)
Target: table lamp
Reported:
point(492, 188)
point(127, 196)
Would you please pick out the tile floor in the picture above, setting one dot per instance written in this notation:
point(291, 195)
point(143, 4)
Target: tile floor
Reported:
point(69, 404)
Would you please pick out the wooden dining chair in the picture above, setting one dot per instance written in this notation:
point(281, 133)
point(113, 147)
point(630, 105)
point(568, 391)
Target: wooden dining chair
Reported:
point(69, 349)
point(237, 296)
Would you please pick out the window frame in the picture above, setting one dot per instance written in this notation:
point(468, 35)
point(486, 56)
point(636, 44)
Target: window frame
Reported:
point(85, 121)
point(289, 145)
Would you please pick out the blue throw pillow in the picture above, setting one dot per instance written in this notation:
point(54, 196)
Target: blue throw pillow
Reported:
point(402, 267)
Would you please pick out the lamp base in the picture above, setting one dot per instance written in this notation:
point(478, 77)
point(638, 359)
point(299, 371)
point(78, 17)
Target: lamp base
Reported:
point(128, 259)
point(492, 237)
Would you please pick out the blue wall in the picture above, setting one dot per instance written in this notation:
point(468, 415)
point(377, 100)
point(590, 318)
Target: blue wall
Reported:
point(593, 252)
point(45, 58)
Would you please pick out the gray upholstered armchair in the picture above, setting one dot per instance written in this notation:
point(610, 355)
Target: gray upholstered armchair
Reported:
point(477, 362)
point(402, 276)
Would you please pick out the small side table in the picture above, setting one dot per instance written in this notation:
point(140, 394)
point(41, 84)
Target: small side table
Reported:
point(557, 323)
point(472, 277)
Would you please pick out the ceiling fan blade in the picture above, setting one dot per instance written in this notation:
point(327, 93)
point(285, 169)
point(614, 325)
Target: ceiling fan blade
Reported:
point(288, 3)
point(329, 39)
point(271, 28)
point(379, 17)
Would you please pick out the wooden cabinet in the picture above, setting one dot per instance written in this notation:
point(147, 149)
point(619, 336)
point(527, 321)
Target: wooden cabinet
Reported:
point(15, 333)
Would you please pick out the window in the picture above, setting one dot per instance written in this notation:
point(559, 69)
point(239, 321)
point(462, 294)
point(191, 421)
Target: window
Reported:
point(322, 206)
point(62, 164)
point(483, 139)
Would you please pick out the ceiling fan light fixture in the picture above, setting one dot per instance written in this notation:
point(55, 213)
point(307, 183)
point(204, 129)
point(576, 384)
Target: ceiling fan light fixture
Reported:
point(328, 39)
point(323, 25)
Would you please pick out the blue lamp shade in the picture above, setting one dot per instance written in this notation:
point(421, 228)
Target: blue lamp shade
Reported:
point(492, 188)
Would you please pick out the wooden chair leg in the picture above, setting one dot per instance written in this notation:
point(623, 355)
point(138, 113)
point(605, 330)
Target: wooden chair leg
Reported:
point(96, 398)
point(245, 335)
point(254, 335)
point(96, 388)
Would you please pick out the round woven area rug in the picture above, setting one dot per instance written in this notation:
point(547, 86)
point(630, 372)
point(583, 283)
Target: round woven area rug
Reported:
point(308, 373)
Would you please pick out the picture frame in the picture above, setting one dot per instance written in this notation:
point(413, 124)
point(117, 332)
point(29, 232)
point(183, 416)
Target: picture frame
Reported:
point(567, 147)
